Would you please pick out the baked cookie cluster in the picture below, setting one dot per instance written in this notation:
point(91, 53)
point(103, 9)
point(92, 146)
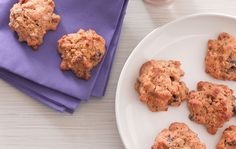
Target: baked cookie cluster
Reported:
point(178, 136)
point(81, 51)
point(211, 105)
point(159, 85)
point(220, 61)
point(228, 139)
point(31, 19)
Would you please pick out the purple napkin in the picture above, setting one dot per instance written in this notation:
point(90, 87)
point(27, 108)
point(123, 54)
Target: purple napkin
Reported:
point(37, 73)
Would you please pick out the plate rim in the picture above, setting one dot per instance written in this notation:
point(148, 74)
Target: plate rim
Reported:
point(134, 51)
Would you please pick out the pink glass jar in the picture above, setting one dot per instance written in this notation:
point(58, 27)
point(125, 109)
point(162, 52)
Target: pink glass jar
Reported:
point(157, 1)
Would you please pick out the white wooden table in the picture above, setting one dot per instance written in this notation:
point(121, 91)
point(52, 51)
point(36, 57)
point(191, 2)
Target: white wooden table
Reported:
point(27, 124)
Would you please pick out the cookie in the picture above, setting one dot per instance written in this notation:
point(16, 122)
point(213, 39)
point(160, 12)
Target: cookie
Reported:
point(159, 85)
point(81, 52)
point(211, 105)
point(178, 136)
point(228, 139)
point(220, 60)
point(31, 19)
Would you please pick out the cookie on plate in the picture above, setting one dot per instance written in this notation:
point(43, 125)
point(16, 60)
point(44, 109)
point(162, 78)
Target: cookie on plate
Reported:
point(159, 85)
point(211, 105)
point(220, 60)
point(228, 139)
point(31, 19)
point(178, 136)
point(81, 51)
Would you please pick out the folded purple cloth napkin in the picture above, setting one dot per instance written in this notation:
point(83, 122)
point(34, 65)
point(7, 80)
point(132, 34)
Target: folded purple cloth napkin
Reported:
point(37, 73)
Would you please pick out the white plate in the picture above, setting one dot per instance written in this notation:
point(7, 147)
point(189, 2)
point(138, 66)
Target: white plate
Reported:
point(184, 40)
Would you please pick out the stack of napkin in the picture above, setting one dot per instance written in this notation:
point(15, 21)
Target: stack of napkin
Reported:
point(38, 74)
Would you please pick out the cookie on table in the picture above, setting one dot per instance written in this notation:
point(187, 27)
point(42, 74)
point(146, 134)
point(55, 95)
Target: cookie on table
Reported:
point(31, 19)
point(220, 60)
point(159, 85)
point(178, 136)
point(81, 52)
point(211, 105)
point(228, 139)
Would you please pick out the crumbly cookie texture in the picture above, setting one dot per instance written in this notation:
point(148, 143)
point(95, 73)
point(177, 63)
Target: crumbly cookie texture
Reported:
point(220, 60)
point(211, 105)
point(228, 139)
point(178, 136)
point(159, 85)
point(31, 19)
point(81, 51)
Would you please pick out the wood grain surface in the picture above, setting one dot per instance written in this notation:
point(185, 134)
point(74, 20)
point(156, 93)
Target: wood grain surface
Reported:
point(27, 124)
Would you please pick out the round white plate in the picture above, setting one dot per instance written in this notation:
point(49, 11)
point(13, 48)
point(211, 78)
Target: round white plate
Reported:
point(184, 40)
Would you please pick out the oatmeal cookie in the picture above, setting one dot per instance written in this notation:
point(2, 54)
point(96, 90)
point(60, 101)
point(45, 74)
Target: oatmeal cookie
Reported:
point(159, 85)
point(81, 51)
point(220, 60)
point(31, 19)
point(228, 139)
point(211, 105)
point(178, 136)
